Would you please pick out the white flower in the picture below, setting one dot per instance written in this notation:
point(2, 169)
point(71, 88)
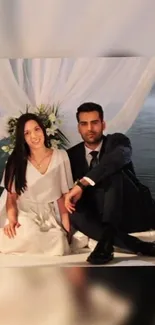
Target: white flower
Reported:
point(12, 145)
point(52, 130)
point(59, 122)
point(10, 151)
point(5, 148)
point(48, 131)
point(41, 108)
point(55, 143)
point(52, 117)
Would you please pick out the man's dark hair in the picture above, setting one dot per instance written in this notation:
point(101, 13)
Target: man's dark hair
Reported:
point(90, 107)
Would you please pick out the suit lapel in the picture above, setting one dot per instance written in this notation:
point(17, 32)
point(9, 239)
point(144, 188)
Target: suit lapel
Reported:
point(83, 166)
point(103, 148)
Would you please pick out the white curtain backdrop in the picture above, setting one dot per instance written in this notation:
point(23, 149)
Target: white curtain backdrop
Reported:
point(120, 85)
point(67, 28)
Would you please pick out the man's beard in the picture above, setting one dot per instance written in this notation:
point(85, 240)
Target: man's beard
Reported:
point(96, 140)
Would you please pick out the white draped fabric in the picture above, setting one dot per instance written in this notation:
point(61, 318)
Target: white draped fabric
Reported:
point(120, 85)
point(56, 28)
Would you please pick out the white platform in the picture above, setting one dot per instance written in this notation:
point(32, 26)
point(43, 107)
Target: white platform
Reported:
point(78, 259)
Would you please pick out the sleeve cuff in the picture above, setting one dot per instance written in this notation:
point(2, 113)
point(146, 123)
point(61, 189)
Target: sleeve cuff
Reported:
point(92, 183)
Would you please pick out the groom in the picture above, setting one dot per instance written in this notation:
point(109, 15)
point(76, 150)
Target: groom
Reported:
point(106, 203)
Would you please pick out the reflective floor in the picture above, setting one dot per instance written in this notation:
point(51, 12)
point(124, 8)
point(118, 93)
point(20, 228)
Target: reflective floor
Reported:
point(76, 295)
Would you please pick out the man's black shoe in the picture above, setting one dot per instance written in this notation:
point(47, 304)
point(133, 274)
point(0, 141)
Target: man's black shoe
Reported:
point(102, 254)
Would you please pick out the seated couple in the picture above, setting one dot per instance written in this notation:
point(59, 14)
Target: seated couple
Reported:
point(43, 205)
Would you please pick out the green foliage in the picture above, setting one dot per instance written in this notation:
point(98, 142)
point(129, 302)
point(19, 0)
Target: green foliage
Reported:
point(50, 118)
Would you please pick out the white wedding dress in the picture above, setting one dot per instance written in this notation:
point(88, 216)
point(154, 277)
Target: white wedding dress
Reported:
point(38, 213)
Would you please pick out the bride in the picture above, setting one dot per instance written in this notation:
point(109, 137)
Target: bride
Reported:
point(36, 179)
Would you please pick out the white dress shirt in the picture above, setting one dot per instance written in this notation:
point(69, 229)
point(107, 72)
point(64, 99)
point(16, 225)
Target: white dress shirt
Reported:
point(89, 158)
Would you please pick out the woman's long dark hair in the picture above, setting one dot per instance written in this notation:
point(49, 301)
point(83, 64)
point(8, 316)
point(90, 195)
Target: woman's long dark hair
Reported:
point(17, 162)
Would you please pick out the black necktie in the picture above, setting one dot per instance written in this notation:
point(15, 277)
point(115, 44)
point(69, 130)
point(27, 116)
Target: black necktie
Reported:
point(94, 160)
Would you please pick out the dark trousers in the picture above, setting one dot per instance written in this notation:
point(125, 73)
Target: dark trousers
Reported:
point(115, 202)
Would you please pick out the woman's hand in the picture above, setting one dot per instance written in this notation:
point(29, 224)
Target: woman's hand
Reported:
point(10, 228)
point(12, 213)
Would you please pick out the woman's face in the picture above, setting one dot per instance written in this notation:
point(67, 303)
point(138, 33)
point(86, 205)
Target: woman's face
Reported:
point(33, 135)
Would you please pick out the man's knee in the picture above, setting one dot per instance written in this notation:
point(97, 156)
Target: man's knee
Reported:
point(114, 185)
point(117, 179)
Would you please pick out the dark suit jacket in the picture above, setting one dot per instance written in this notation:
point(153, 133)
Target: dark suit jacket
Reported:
point(115, 155)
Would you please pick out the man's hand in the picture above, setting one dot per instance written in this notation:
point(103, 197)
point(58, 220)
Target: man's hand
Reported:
point(72, 197)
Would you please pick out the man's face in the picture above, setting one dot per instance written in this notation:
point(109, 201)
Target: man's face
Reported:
point(91, 127)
